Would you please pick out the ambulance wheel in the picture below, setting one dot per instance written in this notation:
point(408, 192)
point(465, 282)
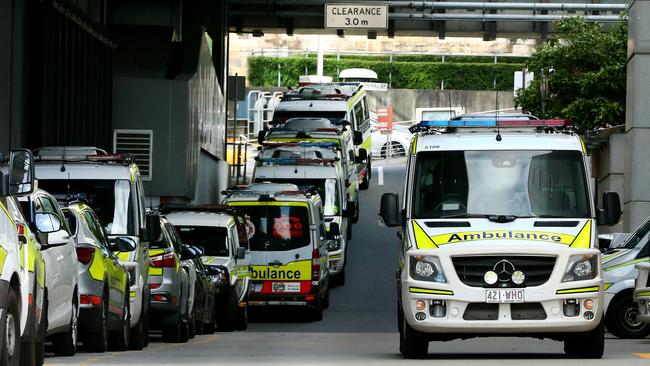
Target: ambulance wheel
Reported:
point(412, 345)
point(120, 339)
point(355, 218)
point(242, 317)
point(586, 345)
point(139, 338)
point(28, 350)
point(365, 183)
point(348, 232)
point(227, 318)
point(621, 319)
point(192, 327)
point(65, 344)
point(10, 340)
point(97, 341)
point(339, 279)
point(317, 311)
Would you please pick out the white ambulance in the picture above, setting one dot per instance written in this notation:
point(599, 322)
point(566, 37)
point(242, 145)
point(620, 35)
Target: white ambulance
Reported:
point(498, 230)
point(314, 166)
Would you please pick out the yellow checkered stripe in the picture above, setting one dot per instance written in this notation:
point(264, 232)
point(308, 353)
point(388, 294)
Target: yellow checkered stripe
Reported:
point(419, 290)
point(578, 290)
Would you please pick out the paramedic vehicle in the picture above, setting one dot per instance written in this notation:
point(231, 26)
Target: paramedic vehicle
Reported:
point(498, 236)
point(338, 102)
point(318, 131)
point(640, 237)
point(22, 270)
point(112, 187)
point(221, 235)
point(314, 166)
point(288, 252)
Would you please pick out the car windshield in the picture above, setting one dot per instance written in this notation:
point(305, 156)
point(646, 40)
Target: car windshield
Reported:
point(327, 189)
point(520, 183)
point(276, 228)
point(640, 234)
point(210, 239)
point(336, 117)
point(110, 199)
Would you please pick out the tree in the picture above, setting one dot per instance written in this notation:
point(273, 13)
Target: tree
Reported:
point(585, 73)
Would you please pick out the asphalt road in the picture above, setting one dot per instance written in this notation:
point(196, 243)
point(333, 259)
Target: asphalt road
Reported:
point(360, 325)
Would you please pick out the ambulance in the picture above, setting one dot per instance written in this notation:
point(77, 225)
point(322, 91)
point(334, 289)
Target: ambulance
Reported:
point(340, 103)
point(314, 166)
point(498, 236)
point(287, 241)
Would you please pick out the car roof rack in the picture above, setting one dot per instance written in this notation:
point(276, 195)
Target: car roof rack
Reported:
point(266, 195)
point(80, 154)
point(167, 209)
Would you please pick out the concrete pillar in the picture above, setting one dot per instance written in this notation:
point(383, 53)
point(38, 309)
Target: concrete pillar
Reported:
point(637, 126)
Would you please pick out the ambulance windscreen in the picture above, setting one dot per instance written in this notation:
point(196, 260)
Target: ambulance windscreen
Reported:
point(210, 239)
point(521, 183)
point(276, 228)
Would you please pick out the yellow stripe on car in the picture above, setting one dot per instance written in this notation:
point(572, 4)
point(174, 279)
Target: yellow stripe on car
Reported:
point(418, 290)
point(583, 240)
point(3, 258)
point(97, 267)
point(422, 240)
point(625, 264)
point(293, 271)
point(451, 238)
point(578, 290)
point(123, 256)
point(642, 293)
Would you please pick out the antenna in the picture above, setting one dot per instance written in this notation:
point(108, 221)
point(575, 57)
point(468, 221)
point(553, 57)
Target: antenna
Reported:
point(63, 161)
point(449, 97)
point(499, 138)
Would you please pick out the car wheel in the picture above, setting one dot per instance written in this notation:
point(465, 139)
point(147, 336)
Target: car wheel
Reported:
point(139, 337)
point(622, 321)
point(65, 344)
point(242, 317)
point(226, 319)
point(28, 350)
point(396, 151)
point(339, 279)
point(586, 345)
point(10, 340)
point(42, 330)
point(97, 340)
point(121, 338)
point(172, 333)
point(412, 345)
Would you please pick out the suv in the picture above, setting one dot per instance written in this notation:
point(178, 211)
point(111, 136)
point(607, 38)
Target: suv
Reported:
point(314, 168)
point(286, 233)
point(498, 236)
point(62, 282)
point(22, 321)
point(221, 235)
point(111, 186)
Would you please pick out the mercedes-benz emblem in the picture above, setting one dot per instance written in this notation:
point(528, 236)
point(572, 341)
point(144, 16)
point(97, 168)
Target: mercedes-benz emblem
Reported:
point(504, 270)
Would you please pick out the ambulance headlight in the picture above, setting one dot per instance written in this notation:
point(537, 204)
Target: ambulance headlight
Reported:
point(333, 245)
point(218, 274)
point(426, 268)
point(581, 267)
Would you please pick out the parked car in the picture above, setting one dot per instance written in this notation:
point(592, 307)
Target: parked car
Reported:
point(205, 299)
point(395, 144)
point(170, 285)
point(104, 314)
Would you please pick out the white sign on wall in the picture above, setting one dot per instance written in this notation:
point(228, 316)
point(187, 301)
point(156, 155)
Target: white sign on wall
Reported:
point(355, 16)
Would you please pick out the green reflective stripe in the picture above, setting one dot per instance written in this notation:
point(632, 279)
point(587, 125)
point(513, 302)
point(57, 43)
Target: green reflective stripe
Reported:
point(3, 258)
point(645, 259)
point(97, 267)
point(608, 285)
point(578, 290)
point(417, 290)
point(610, 257)
point(642, 293)
point(336, 256)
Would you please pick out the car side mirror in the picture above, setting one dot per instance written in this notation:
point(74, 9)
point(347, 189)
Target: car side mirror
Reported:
point(198, 250)
point(188, 253)
point(20, 177)
point(357, 137)
point(610, 214)
point(362, 156)
point(334, 231)
point(153, 228)
point(350, 210)
point(123, 244)
point(346, 124)
point(261, 136)
point(46, 223)
point(389, 212)
point(241, 253)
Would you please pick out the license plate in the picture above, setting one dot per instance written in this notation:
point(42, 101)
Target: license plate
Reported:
point(503, 296)
point(286, 286)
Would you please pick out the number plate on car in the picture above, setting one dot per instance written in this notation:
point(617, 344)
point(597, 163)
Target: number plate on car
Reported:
point(286, 286)
point(503, 296)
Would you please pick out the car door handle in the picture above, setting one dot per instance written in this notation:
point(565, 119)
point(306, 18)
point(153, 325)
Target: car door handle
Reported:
point(275, 263)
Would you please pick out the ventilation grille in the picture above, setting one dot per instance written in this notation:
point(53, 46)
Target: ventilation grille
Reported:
point(140, 144)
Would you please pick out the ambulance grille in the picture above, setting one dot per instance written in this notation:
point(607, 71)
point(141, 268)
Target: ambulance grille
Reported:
point(471, 269)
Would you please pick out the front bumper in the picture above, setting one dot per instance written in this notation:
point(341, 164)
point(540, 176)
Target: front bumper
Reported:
point(264, 299)
point(336, 261)
point(466, 309)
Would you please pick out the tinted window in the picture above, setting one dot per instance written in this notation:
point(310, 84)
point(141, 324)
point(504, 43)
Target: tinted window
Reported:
point(277, 228)
point(211, 239)
point(71, 219)
point(163, 242)
point(639, 234)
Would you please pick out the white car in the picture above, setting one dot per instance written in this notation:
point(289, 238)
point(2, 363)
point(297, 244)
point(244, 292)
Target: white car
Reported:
point(394, 145)
point(60, 255)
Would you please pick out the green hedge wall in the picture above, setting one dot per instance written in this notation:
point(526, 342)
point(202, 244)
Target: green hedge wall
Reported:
point(458, 72)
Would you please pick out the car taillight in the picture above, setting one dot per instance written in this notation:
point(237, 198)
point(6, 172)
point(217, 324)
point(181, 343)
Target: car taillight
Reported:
point(166, 260)
point(85, 255)
point(315, 265)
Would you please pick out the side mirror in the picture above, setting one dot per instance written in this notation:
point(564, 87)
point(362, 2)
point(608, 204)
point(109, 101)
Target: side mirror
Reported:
point(346, 124)
point(198, 250)
point(20, 180)
point(153, 227)
point(362, 156)
point(188, 253)
point(123, 244)
point(350, 210)
point(241, 253)
point(357, 137)
point(334, 231)
point(261, 136)
point(610, 214)
point(389, 212)
point(46, 223)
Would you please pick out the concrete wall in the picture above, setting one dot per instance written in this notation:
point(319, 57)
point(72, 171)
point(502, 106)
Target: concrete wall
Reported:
point(608, 164)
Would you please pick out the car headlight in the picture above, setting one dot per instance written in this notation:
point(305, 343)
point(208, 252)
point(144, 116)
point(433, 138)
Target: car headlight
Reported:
point(426, 268)
point(581, 267)
point(333, 245)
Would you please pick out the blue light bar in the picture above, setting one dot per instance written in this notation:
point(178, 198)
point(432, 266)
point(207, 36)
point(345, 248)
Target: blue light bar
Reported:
point(460, 123)
point(320, 144)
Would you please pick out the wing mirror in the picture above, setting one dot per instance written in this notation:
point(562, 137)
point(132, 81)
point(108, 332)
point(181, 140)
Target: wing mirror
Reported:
point(123, 244)
point(188, 253)
point(261, 136)
point(334, 231)
point(362, 156)
point(20, 177)
point(389, 213)
point(610, 214)
point(357, 137)
point(46, 223)
point(198, 250)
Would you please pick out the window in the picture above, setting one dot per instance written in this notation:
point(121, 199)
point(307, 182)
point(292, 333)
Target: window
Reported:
point(640, 234)
point(211, 239)
point(520, 183)
point(95, 228)
point(360, 120)
point(277, 228)
point(71, 220)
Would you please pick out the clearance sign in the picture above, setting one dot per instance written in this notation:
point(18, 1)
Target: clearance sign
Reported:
point(355, 16)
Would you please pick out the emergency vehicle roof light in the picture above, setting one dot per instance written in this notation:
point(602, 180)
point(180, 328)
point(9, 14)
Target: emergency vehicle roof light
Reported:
point(296, 161)
point(486, 123)
point(319, 144)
